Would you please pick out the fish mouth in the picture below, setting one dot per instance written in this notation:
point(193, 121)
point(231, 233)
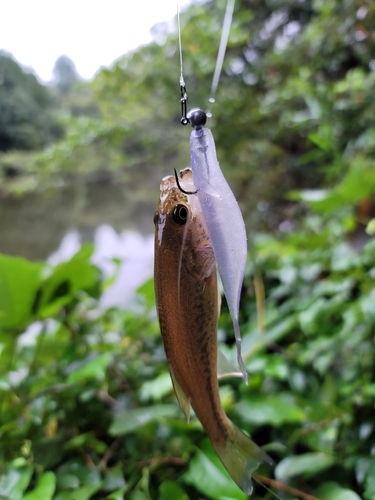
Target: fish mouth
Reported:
point(170, 194)
point(172, 199)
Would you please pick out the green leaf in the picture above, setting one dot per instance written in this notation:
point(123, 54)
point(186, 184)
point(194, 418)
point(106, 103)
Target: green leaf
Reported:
point(358, 183)
point(369, 493)
point(19, 281)
point(309, 195)
point(83, 493)
point(114, 479)
point(118, 494)
point(169, 490)
point(87, 440)
point(209, 476)
point(256, 341)
point(323, 142)
point(148, 292)
point(67, 481)
point(44, 489)
point(139, 495)
point(66, 280)
point(15, 481)
point(130, 420)
point(94, 369)
point(275, 410)
point(333, 491)
point(155, 389)
point(370, 228)
point(75, 474)
point(307, 465)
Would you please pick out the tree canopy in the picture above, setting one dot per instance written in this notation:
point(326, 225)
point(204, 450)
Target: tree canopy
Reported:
point(65, 73)
point(25, 109)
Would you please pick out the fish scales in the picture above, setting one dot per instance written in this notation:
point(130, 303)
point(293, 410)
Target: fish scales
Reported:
point(187, 305)
point(191, 351)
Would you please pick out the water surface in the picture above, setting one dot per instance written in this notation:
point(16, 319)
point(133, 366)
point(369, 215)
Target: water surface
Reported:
point(52, 226)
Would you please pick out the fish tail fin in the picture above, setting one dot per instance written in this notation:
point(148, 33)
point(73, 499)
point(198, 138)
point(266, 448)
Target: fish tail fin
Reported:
point(241, 457)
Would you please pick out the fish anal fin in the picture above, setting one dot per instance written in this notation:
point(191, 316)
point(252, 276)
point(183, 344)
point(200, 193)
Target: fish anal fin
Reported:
point(225, 368)
point(183, 400)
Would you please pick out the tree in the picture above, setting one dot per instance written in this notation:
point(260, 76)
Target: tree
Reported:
point(294, 95)
point(25, 104)
point(65, 73)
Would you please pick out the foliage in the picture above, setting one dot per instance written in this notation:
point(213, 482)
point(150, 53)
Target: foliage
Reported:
point(32, 119)
point(87, 407)
point(25, 109)
point(294, 110)
point(294, 107)
point(65, 73)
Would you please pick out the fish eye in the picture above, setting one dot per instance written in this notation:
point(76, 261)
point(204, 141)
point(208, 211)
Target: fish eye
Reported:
point(180, 214)
point(156, 217)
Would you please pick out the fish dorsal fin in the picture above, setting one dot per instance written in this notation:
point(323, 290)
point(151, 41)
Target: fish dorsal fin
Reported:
point(181, 396)
point(225, 367)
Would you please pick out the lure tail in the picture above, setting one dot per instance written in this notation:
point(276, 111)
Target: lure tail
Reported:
point(241, 457)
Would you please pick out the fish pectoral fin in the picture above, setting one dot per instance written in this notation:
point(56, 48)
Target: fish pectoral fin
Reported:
point(225, 367)
point(218, 302)
point(183, 400)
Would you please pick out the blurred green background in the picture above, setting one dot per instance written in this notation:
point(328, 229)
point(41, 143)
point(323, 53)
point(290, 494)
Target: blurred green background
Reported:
point(87, 409)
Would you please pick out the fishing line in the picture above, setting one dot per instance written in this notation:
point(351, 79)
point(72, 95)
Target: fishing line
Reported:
point(179, 41)
point(227, 23)
point(184, 96)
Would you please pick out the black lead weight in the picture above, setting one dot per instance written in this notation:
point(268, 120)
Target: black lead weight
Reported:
point(197, 118)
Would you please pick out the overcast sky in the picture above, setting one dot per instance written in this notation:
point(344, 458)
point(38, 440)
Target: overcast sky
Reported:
point(90, 32)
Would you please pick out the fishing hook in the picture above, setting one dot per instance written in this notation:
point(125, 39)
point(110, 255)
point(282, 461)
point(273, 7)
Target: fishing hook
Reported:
point(179, 186)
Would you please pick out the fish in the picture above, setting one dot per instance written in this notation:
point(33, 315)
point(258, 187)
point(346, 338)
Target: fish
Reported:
point(186, 292)
point(223, 219)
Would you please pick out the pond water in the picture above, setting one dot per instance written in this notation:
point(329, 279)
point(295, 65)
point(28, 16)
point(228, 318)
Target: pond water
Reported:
point(54, 224)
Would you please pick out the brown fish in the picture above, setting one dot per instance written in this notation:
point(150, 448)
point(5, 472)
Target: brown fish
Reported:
point(188, 307)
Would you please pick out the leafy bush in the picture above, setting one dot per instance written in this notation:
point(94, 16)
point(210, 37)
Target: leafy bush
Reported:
point(87, 407)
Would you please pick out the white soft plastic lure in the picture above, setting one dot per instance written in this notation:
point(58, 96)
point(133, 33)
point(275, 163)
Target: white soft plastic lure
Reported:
point(222, 216)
